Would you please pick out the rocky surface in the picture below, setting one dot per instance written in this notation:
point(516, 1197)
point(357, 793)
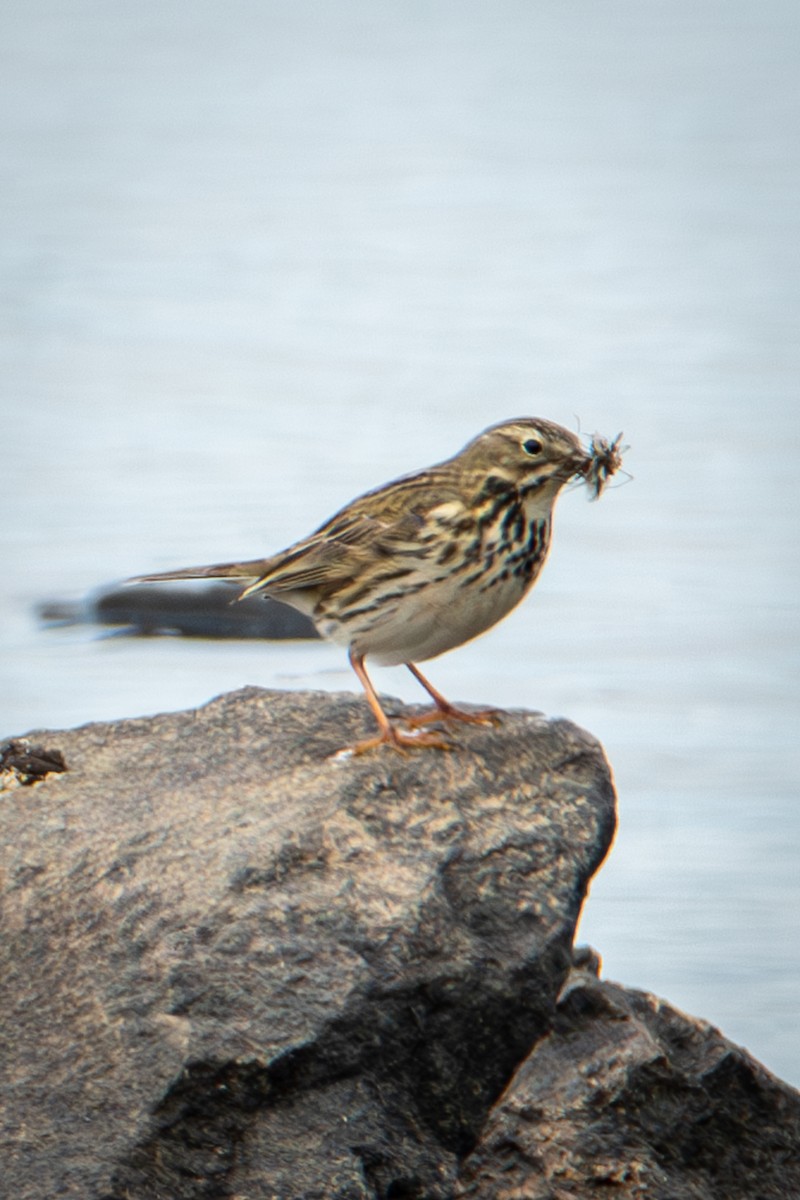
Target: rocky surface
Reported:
point(628, 1098)
point(238, 965)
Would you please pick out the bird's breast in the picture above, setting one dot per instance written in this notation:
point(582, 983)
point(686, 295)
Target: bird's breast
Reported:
point(445, 597)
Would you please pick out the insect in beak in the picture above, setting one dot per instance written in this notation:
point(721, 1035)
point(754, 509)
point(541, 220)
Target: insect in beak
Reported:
point(604, 460)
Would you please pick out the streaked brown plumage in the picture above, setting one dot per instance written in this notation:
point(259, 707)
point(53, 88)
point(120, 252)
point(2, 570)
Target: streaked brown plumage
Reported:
point(431, 560)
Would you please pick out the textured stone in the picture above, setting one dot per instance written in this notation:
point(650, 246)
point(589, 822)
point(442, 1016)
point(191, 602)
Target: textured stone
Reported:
point(628, 1098)
point(238, 966)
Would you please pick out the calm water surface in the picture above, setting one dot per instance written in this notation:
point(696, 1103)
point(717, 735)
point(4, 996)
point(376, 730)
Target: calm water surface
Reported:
point(259, 257)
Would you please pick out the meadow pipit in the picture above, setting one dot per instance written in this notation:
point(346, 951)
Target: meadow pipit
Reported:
point(420, 565)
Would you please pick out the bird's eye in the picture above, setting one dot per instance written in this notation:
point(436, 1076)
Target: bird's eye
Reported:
point(532, 446)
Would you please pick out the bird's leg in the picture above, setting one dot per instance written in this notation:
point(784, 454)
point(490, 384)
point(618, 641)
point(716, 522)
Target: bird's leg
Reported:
point(444, 710)
point(389, 733)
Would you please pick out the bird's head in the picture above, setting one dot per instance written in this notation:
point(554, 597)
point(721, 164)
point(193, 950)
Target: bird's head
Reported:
point(528, 453)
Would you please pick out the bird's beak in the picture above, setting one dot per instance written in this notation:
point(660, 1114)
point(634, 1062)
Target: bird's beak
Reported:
point(578, 464)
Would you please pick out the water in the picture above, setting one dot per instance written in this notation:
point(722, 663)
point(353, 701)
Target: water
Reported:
point(257, 257)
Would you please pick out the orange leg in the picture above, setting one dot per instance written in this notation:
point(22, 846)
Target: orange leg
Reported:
point(444, 710)
point(389, 734)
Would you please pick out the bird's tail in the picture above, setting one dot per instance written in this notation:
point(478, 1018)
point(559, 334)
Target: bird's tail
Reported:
point(253, 571)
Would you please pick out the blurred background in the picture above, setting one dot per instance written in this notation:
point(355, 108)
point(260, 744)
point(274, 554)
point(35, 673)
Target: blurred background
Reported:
point(262, 255)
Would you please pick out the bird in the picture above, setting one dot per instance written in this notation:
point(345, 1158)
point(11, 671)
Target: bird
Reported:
point(429, 561)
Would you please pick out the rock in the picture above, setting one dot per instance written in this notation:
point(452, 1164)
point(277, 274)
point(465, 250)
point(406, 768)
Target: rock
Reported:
point(627, 1097)
point(239, 966)
point(193, 610)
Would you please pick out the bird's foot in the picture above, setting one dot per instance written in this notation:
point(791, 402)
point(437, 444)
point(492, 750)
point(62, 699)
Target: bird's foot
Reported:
point(449, 712)
point(398, 739)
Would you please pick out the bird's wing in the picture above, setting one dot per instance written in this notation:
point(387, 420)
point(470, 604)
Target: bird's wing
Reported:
point(336, 552)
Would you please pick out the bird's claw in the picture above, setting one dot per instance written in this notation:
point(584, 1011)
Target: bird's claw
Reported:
point(397, 739)
point(487, 716)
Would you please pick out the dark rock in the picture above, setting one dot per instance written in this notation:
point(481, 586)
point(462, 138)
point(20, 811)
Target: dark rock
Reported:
point(236, 966)
point(193, 610)
point(627, 1097)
